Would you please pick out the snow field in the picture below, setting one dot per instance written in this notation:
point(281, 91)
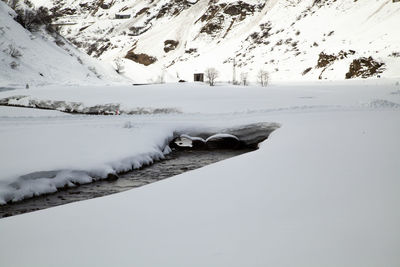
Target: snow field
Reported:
point(323, 190)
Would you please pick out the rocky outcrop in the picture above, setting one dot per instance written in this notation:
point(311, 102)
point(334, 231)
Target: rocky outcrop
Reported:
point(364, 67)
point(141, 58)
point(170, 45)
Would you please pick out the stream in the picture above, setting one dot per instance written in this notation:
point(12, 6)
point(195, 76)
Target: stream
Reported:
point(177, 162)
point(189, 152)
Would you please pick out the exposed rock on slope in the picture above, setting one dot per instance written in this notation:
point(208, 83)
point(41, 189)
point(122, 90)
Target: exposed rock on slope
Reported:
point(364, 68)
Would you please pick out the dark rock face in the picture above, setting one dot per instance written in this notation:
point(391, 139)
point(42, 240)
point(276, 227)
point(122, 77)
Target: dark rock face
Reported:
point(245, 136)
point(96, 51)
point(325, 60)
point(241, 9)
point(223, 142)
point(191, 51)
point(173, 8)
point(306, 71)
point(142, 11)
point(217, 14)
point(364, 68)
point(212, 27)
point(112, 177)
point(141, 58)
point(262, 36)
point(170, 45)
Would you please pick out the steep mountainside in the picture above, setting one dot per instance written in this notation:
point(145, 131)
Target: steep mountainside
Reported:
point(153, 40)
point(38, 57)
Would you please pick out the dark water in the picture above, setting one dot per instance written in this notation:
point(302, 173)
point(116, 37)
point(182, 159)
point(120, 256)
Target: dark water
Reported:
point(177, 162)
point(3, 89)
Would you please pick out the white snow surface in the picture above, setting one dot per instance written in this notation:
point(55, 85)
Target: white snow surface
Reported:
point(323, 190)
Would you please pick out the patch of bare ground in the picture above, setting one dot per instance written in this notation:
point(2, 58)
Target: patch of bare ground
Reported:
point(173, 8)
point(325, 60)
point(170, 45)
point(142, 58)
point(97, 48)
point(306, 71)
point(217, 14)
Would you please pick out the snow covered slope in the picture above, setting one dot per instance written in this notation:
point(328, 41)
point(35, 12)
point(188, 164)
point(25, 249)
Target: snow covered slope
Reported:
point(41, 58)
point(292, 39)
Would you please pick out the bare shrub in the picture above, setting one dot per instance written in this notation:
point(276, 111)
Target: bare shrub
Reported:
point(119, 67)
point(26, 18)
point(263, 77)
point(33, 19)
point(14, 4)
point(161, 78)
point(59, 41)
point(14, 65)
point(79, 60)
point(94, 71)
point(395, 54)
point(244, 78)
point(211, 75)
point(13, 51)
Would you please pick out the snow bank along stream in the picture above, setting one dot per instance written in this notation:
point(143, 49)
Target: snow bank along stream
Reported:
point(183, 152)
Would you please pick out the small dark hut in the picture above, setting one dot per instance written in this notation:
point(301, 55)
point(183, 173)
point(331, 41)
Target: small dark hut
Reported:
point(122, 16)
point(198, 77)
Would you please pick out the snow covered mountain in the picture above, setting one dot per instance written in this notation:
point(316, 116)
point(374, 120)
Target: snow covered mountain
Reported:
point(155, 40)
point(38, 57)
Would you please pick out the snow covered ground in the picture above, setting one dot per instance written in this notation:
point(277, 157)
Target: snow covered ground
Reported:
point(323, 190)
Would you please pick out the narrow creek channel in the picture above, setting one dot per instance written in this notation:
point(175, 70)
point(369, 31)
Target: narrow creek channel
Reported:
point(189, 152)
point(177, 162)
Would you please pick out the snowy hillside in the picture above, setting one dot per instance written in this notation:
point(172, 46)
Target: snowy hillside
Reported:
point(292, 39)
point(38, 58)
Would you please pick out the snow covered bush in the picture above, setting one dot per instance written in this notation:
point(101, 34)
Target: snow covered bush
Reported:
point(33, 19)
point(211, 75)
point(13, 4)
point(119, 66)
point(13, 51)
point(14, 65)
point(244, 78)
point(161, 78)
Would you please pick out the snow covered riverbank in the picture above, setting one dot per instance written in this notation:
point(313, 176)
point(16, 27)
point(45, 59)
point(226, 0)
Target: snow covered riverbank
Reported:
point(322, 191)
